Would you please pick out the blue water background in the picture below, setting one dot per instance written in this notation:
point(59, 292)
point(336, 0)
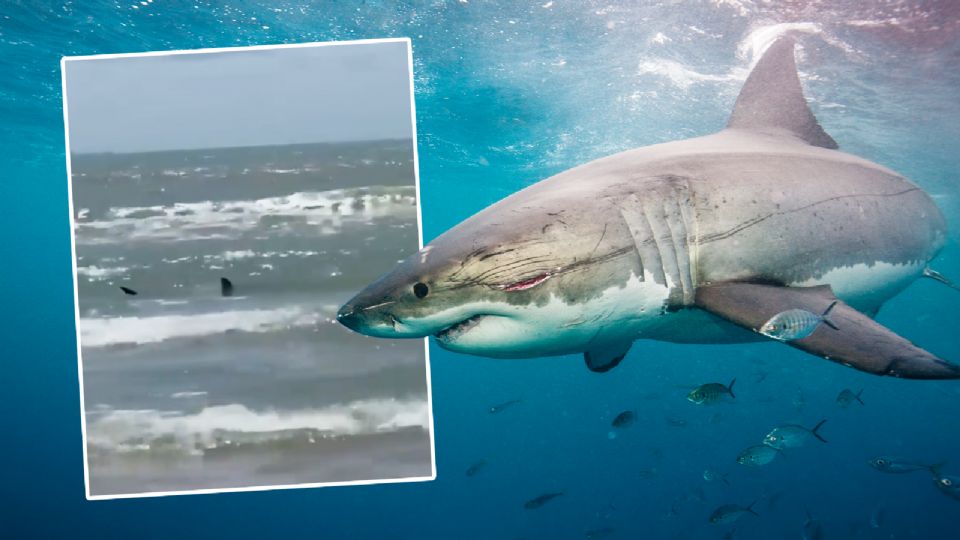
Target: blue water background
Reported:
point(507, 95)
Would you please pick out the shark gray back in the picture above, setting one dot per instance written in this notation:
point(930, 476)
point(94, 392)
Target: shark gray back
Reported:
point(630, 247)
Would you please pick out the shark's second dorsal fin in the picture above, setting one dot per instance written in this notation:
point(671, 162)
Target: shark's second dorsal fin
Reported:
point(772, 99)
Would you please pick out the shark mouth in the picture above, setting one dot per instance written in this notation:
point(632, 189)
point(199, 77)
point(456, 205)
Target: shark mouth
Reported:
point(453, 332)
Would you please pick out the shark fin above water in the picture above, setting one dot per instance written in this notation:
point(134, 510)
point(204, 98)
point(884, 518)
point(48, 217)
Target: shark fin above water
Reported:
point(861, 342)
point(772, 99)
point(128, 291)
point(226, 287)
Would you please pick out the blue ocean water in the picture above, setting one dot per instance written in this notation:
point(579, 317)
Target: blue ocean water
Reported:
point(506, 95)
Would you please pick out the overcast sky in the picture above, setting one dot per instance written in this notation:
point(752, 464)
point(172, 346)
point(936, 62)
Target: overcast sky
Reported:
point(239, 98)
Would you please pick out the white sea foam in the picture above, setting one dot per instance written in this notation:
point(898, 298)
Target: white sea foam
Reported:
point(682, 76)
point(237, 255)
point(236, 424)
point(757, 41)
point(105, 331)
point(750, 49)
point(181, 395)
point(99, 274)
point(326, 209)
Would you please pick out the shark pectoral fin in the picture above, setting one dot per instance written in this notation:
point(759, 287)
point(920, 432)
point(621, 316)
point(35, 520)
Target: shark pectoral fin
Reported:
point(859, 342)
point(603, 357)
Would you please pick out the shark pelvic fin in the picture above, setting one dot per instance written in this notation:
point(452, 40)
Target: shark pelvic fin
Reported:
point(860, 342)
point(603, 357)
point(772, 99)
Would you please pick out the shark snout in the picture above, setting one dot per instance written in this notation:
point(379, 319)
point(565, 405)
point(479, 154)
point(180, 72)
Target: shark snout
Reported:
point(349, 316)
point(371, 316)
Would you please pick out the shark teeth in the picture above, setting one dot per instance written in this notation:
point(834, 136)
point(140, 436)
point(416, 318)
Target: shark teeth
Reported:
point(454, 331)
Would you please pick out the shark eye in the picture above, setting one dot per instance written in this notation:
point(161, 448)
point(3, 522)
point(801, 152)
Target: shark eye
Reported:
point(420, 290)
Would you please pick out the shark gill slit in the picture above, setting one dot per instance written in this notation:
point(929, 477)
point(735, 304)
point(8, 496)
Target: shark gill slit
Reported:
point(680, 246)
point(663, 240)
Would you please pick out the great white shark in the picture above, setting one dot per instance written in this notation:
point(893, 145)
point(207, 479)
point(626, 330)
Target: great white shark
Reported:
point(693, 241)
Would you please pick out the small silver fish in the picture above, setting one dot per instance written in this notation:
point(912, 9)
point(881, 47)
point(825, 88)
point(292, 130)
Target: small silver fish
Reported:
point(948, 485)
point(756, 456)
point(846, 397)
point(896, 465)
point(472, 470)
point(798, 400)
point(541, 500)
point(729, 513)
point(624, 419)
point(712, 475)
point(796, 324)
point(500, 407)
point(706, 394)
point(648, 473)
point(597, 534)
point(876, 517)
point(812, 529)
point(792, 436)
point(676, 422)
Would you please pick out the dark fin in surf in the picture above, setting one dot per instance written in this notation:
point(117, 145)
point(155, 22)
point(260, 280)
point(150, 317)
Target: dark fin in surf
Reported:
point(772, 99)
point(857, 397)
point(937, 276)
point(128, 291)
point(226, 287)
point(816, 430)
point(862, 343)
point(603, 358)
point(730, 388)
point(826, 316)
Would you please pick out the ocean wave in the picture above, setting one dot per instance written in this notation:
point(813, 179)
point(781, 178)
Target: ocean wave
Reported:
point(234, 426)
point(96, 273)
point(325, 209)
point(238, 255)
point(106, 331)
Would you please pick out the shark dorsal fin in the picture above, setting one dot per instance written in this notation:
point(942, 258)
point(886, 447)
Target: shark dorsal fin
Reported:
point(772, 99)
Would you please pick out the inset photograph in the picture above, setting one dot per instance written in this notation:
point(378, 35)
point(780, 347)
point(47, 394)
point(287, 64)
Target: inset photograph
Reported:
point(225, 203)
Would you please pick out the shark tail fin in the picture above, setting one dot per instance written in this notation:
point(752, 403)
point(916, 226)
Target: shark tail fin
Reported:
point(826, 316)
point(730, 388)
point(816, 430)
point(937, 276)
point(772, 101)
point(750, 506)
point(857, 397)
